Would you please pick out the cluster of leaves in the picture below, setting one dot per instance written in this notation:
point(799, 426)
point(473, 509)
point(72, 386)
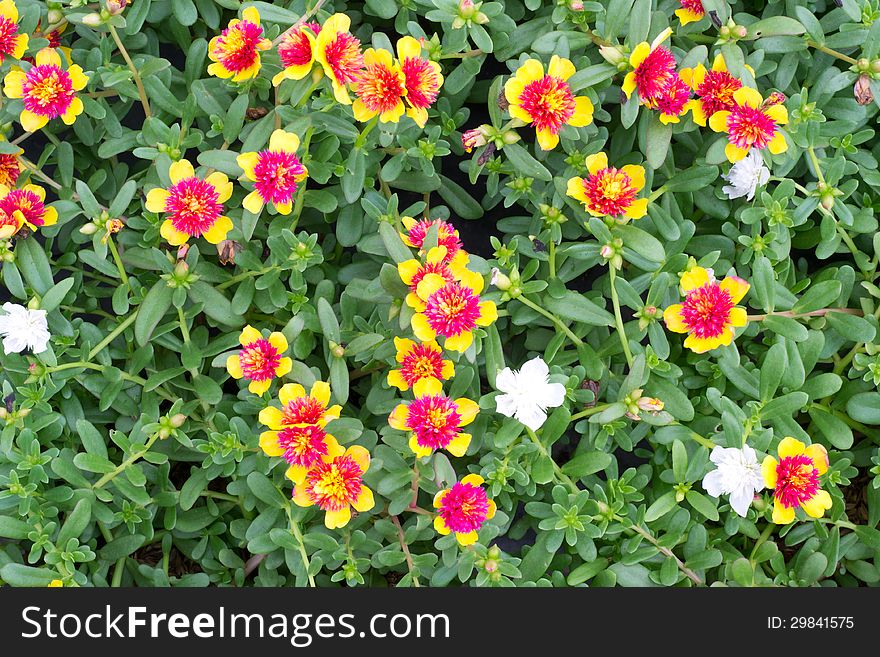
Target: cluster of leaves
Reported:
point(129, 457)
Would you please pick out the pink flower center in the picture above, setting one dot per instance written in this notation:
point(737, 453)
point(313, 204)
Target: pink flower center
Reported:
point(693, 6)
point(654, 74)
point(304, 446)
point(259, 360)
point(380, 88)
point(439, 268)
point(277, 173)
point(344, 58)
point(8, 36)
point(434, 420)
point(797, 480)
point(421, 362)
point(26, 202)
point(464, 508)
point(422, 83)
point(335, 485)
point(549, 102)
point(9, 169)
point(193, 206)
point(303, 410)
point(446, 235)
point(672, 100)
point(750, 126)
point(716, 92)
point(610, 191)
point(452, 310)
point(236, 47)
point(47, 90)
point(296, 49)
point(706, 311)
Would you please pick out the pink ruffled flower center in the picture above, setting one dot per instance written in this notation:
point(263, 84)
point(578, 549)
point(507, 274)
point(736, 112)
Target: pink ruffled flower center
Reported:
point(333, 486)
point(654, 74)
point(452, 310)
point(797, 480)
point(446, 235)
point(9, 169)
point(422, 84)
point(296, 49)
point(303, 410)
point(672, 100)
point(259, 360)
point(343, 55)
point(421, 362)
point(236, 47)
point(380, 88)
point(277, 174)
point(549, 101)
point(706, 311)
point(304, 445)
point(47, 90)
point(193, 206)
point(8, 36)
point(716, 92)
point(610, 191)
point(434, 419)
point(26, 202)
point(464, 508)
point(750, 126)
point(693, 6)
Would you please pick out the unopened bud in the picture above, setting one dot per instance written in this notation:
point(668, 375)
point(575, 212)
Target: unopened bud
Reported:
point(116, 7)
point(827, 200)
point(55, 16)
point(88, 229)
point(576, 5)
point(34, 303)
point(92, 20)
point(182, 250)
point(612, 55)
point(494, 552)
point(875, 66)
point(607, 251)
point(491, 566)
point(500, 280)
point(862, 90)
point(177, 420)
point(181, 269)
point(740, 32)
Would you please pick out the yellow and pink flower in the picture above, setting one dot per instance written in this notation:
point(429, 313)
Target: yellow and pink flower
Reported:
point(336, 485)
point(193, 205)
point(302, 446)
point(463, 509)
point(752, 123)
point(653, 70)
point(714, 89)
point(794, 479)
point(609, 191)
point(236, 50)
point(380, 88)
point(709, 313)
point(10, 167)
point(299, 408)
point(453, 310)
point(422, 366)
point(260, 359)
point(12, 44)
point(417, 231)
point(422, 79)
point(434, 421)
point(275, 173)
point(297, 53)
point(24, 207)
point(672, 101)
point(47, 90)
point(690, 12)
point(547, 101)
point(339, 54)
point(413, 272)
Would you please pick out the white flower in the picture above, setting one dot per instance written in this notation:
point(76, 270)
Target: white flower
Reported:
point(22, 329)
point(528, 393)
point(738, 474)
point(746, 176)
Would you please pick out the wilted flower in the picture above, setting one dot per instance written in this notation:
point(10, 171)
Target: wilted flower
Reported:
point(227, 250)
point(794, 479)
point(746, 176)
point(23, 328)
point(528, 393)
point(547, 101)
point(260, 360)
point(474, 138)
point(709, 313)
point(48, 91)
point(336, 485)
point(464, 509)
point(275, 173)
point(236, 51)
point(609, 191)
point(862, 90)
point(752, 123)
point(737, 473)
point(193, 205)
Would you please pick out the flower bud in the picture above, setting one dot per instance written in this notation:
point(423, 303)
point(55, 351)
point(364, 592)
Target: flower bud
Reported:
point(92, 20)
point(862, 90)
point(576, 5)
point(88, 229)
point(177, 420)
point(875, 66)
point(740, 32)
point(827, 200)
point(499, 280)
point(55, 16)
point(34, 303)
point(473, 138)
point(651, 404)
point(612, 55)
point(116, 7)
point(491, 566)
point(494, 552)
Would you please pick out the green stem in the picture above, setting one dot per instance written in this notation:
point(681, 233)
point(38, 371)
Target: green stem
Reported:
point(184, 329)
point(829, 51)
point(815, 160)
point(589, 411)
point(551, 254)
point(553, 318)
point(98, 348)
point(295, 530)
point(657, 193)
point(761, 539)
point(134, 72)
point(690, 574)
point(115, 253)
point(362, 138)
point(118, 571)
point(618, 318)
point(560, 476)
point(403, 546)
point(110, 476)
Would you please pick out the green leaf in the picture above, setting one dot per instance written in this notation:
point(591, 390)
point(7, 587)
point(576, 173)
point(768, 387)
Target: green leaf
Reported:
point(702, 504)
point(852, 327)
point(397, 250)
point(216, 305)
point(818, 296)
point(661, 506)
point(151, 311)
point(524, 164)
point(587, 463)
point(76, 522)
point(16, 574)
point(835, 430)
point(327, 318)
point(91, 438)
point(13, 528)
point(578, 308)
point(265, 490)
point(121, 547)
point(774, 26)
point(55, 295)
point(864, 407)
point(772, 370)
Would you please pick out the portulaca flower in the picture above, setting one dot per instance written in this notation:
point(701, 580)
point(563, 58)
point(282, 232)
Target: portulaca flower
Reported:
point(738, 474)
point(746, 176)
point(528, 393)
point(22, 328)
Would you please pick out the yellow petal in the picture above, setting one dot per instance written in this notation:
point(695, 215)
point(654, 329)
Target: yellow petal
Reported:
point(738, 317)
point(419, 450)
point(32, 122)
point(278, 341)
point(13, 83)
point(530, 71)
point(575, 189)
point(694, 279)
point(547, 140)
point(421, 328)
point(78, 79)
point(408, 48)
point(735, 287)
point(768, 471)
point(820, 457)
point(778, 144)
point(251, 15)
point(674, 320)
point(359, 455)
point(408, 270)
point(284, 367)
point(639, 53)
point(458, 446)
point(73, 110)
point(271, 417)
point(249, 335)
point(425, 385)
point(440, 526)
point(747, 96)
point(301, 497)
point(217, 233)
point(583, 112)
point(473, 480)
point(337, 519)
point(253, 202)
point(181, 170)
point(397, 418)
point(171, 235)
point(9, 11)
point(156, 199)
point(321, 391)
point(466, 539)
point(247, 162)
point(289, 392)
point(818, 504)
point(637, 209)
point(734, 153)
point(718, 121)
point(395, 379)
point(789, 446)
point(297, 474)
point(222, 184)
point(596, 162)
point(778, 113)
point(629, 84)
point(48, 57)
point(636, 175)
point(467, 410)
point(283, 141)
point(365, 500)
point(269, 443)
point(233, 366)
point(782, 515)
point(560, 68)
